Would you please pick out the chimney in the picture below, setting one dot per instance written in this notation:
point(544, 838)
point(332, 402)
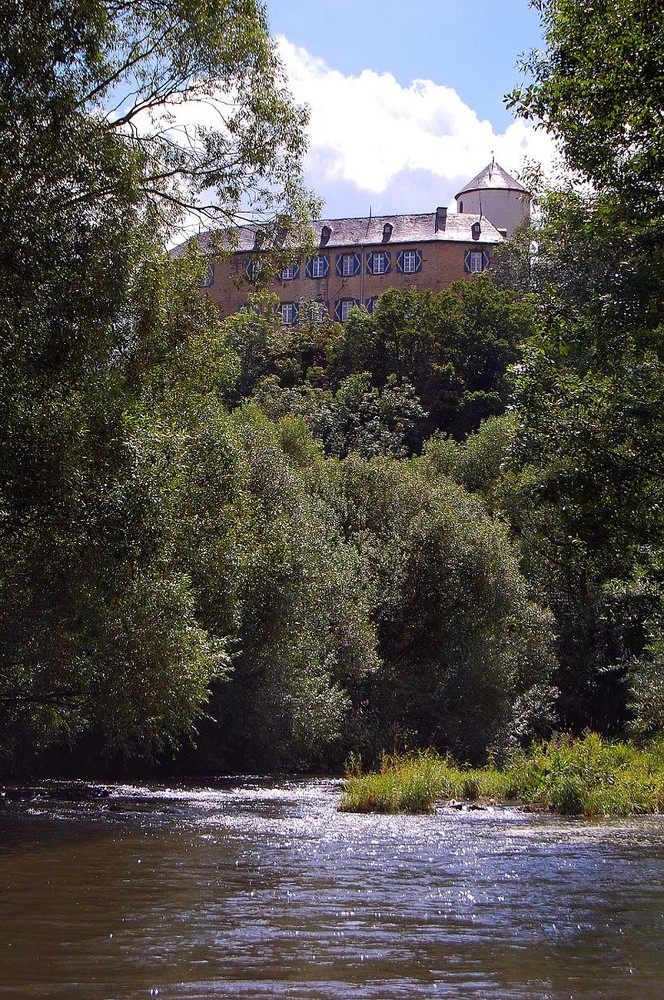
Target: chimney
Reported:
point(441, 218)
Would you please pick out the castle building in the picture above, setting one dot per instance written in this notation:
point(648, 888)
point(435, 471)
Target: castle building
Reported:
point(356, 260)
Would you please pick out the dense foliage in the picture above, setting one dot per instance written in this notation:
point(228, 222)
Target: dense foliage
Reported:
point(100, 628)
point(587, 454)
point(597, 86)
point(255, 545)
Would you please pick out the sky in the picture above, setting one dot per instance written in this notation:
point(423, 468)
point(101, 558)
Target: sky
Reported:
point(406, 96)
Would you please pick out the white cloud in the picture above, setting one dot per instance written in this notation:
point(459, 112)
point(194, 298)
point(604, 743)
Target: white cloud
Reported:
point(369, 133)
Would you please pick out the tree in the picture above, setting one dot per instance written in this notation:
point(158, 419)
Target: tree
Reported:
point(466, 654)
point(191, 92)
point(587, 502)
point(102, 630)
point(295, 354)
point(586, 471)
point(304, 639)
point(598, 87)
point(100, 633)
point(453, 347)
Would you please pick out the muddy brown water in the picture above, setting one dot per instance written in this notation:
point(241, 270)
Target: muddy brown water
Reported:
point(259, 888)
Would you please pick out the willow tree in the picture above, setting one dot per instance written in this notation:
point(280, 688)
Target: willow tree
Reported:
point(117, 119)
point(589, 395)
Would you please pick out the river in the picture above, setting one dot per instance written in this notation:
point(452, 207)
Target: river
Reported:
point(259, 888)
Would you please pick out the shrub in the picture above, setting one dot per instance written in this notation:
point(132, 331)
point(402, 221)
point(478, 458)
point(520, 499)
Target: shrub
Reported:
point(573, 777)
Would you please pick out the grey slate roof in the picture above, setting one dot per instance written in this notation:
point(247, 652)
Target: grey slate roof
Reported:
point(493, 176)
point(370, 231)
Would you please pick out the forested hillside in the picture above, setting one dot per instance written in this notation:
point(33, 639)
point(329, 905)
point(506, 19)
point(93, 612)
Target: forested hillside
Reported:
point(243, 545)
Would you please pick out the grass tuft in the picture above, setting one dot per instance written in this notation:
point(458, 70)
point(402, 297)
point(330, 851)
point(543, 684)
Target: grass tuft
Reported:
point(573, 777)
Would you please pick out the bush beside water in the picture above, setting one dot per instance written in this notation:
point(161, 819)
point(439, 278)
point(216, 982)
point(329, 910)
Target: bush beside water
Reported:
point(573, 777)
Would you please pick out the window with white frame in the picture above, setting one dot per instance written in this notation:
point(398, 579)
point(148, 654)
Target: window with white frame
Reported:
point(208, 280)
point(409, 262)
point(317, 312)
point(475, 261)
point(378, 263)
point(288, 313)
point(289, 273)
point(253, 268)
point(346, 306)
point(348, 264)
point(318, 266)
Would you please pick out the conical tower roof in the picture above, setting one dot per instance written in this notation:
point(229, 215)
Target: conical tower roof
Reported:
point(491, 178)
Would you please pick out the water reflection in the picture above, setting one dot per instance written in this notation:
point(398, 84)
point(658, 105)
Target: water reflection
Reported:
point(259, 889)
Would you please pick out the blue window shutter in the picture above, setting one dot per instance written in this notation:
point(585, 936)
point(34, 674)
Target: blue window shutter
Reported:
point(400, 262)
point(485, 258)
point(418, 265)
point(308, 268)
point(337, 310)
point(296, 310)
point(369, 263)
point(338, 269)
point(326, 265)
point(358, 263)
point(466, 261)
point(388, 261)
point(248, 267)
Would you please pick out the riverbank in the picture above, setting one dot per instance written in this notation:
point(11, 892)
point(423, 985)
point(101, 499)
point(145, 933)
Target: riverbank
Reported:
point(572, 777)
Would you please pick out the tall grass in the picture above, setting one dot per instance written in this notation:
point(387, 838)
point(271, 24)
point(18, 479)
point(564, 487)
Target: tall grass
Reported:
point(573, 777)
point(415, 783)
point(591, 777)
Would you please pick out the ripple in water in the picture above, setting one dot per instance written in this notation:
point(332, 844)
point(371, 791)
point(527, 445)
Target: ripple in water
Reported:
point(253, 888)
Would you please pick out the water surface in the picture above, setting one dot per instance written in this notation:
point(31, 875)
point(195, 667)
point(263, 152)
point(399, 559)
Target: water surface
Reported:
point(259, 889)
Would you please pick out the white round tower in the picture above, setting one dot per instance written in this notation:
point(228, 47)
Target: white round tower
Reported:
point(500, 198)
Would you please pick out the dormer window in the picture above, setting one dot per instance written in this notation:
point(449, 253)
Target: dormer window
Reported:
point(387, 231)
point(259, 239)
point(325, 234)
point(476, 230)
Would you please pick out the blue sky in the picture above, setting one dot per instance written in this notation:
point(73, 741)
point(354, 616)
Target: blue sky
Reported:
point(406, 98)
